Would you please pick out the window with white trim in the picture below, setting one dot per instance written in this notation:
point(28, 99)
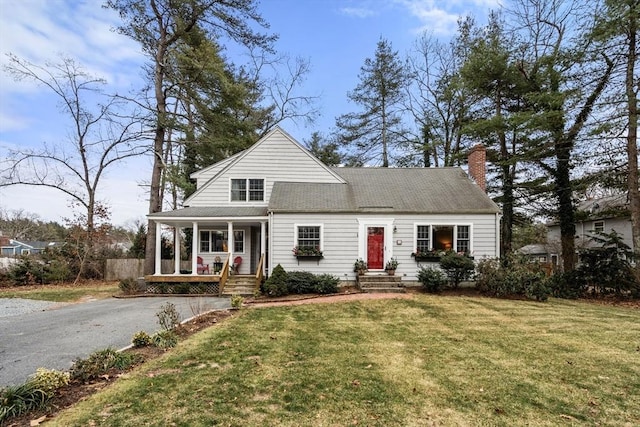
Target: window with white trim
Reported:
point(247, 190)
point(598, 226)
point(438, 237)
point(423, 238)
point(308, 236)
point(216, 241)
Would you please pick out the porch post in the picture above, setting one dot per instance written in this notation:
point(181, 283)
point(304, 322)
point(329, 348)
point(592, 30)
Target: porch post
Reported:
point(195, 241)
point(158, 267)
point(176, 250)
point(230, 241)
point(263, 243)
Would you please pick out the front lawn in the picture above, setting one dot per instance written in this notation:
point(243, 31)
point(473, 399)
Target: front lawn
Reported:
point(430, 360)
point(62, 292)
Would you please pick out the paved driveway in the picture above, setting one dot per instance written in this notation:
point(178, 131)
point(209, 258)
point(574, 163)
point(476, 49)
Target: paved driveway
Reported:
point(53, 338)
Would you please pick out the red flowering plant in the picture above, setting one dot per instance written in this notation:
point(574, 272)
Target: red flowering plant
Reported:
point(306, 251)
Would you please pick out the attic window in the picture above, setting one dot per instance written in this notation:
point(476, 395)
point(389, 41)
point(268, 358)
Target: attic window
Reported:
point(247, 190)
point(598, 226)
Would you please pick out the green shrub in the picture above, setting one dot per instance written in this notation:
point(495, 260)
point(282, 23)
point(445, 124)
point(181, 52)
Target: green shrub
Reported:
point(432, 279)
point(128, 286)
point(182, 288)
point(457, 267)
point(236, 301)
point(168, 316)
point(569, 285)
point(49, 380)
point(165, 339)
point(100, 363)
point(276, 284)
point(300, 282)
point(56, 271)
point(607, 269)
point(141, 339)
point(26, 271)
point(326, 284)
point(17, 400)
point(518, 276)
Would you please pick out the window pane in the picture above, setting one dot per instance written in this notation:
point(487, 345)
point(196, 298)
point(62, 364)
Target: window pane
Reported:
point(238, 241)
point(422, 241)
point(463, 240)
point(443, 237)
point(309, 237)
point(204, 241)
point(219, 241)
point(239, 190)
point(256, 189)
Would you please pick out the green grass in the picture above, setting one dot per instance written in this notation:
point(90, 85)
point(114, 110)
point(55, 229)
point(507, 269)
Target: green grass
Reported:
point(445, 361)
point(61, 293)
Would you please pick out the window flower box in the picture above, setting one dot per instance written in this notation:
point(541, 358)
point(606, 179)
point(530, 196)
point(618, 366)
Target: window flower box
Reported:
point(433, 256)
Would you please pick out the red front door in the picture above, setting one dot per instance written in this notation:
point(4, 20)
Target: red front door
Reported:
point(375, 248)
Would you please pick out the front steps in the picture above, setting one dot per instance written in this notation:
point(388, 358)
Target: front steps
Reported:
point(239, 284)
point(380, 282)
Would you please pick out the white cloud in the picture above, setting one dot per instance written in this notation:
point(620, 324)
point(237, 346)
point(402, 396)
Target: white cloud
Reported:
point(41, 31)
point(10, 122)
point(441, 17)
point(359, 12)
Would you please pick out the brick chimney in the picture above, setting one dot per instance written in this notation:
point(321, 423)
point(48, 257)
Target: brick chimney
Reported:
point(477, 165)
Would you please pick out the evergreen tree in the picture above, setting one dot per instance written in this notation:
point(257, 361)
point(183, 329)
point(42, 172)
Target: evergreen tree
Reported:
point(374, 132)
point(159, 26)
point(617, 29)
point(565, 85)
point(491, 75)
point(325, 151)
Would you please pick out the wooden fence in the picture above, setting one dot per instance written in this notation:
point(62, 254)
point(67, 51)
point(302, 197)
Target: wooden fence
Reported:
point(132, 268)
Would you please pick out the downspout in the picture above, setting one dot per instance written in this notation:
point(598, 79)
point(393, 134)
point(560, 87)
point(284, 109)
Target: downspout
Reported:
point(498, 217)
point(270, 233)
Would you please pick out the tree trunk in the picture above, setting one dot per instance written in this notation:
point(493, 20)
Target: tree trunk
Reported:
point(155, 194)
point(632, 135)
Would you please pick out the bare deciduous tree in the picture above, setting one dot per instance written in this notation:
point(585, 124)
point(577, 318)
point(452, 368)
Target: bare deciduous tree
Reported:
point(98, 138)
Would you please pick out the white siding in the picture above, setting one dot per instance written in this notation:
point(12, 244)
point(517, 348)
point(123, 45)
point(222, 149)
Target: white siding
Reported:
point(584, 230)
point(341, 240)
point(274, 159)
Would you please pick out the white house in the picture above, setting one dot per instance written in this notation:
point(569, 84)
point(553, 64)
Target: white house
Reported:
point(275, 197)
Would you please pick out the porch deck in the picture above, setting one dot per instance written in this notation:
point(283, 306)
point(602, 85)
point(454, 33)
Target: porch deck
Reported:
point(182, 278)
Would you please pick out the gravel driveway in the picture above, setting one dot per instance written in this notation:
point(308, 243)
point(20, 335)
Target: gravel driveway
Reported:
point(45, 334)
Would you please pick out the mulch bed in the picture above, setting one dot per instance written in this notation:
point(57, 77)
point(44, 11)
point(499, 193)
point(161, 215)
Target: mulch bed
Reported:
point(76, 391)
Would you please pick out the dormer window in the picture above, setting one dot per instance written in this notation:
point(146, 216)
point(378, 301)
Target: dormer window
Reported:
point(247, 190)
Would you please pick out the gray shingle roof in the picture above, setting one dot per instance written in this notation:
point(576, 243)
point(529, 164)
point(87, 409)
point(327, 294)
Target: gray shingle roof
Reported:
point(399, 190)
point(213, 211)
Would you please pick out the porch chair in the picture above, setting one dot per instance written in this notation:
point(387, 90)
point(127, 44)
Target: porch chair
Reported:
point(202, 267)
point(236, 264)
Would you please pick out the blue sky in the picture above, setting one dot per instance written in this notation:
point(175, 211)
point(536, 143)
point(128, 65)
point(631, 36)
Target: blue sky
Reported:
point(335, 36)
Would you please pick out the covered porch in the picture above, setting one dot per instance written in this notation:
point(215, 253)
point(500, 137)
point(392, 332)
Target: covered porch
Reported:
point(217, 243)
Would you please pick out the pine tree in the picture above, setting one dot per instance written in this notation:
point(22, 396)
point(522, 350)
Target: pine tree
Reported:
point(377, 129)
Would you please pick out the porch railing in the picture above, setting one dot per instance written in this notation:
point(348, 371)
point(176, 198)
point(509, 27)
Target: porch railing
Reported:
point(224, 274)
point(259, 273)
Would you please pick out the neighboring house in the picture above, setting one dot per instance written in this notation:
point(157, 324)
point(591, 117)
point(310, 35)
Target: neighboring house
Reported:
point(262, 203)
point(12, 247)
point(604, 214)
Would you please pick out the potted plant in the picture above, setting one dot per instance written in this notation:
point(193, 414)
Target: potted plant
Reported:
point(391, 266)
point(360, 266)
